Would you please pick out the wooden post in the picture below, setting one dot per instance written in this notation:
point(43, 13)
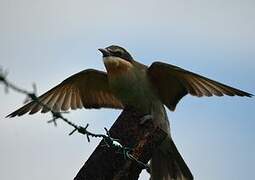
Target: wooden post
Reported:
point(106, 164)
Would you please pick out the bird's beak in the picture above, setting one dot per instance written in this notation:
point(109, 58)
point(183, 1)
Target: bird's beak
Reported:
point(104, 52)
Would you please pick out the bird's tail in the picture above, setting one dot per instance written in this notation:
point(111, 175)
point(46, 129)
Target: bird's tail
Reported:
point(167, 163)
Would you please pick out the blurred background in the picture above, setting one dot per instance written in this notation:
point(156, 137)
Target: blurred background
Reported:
point(45, 41)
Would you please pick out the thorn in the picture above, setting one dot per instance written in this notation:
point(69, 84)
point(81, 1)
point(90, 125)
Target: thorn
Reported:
point(107, 132)
point(32, 96)
point(88, 138)
point(3, 74)
point(34, 88)
point(54, 121)
point(56, 115)
point(87, 125)
point(2, 77)
point(73, 131)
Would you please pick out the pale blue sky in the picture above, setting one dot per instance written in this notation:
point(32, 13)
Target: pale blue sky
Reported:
point(45, 41)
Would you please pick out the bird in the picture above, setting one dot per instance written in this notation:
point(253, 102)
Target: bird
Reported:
point(129, 83)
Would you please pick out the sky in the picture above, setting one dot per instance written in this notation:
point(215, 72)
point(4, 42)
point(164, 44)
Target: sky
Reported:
point(45, 41)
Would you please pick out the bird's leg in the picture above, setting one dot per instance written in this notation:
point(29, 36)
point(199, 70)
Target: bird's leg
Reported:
point(145, 118)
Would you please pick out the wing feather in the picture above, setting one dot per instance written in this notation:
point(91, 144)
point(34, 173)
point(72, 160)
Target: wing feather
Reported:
point(66, 103)
point(172, 83)
point(88, 89)
point(73, 100)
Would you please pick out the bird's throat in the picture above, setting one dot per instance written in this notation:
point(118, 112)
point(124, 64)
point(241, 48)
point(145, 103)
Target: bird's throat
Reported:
point(116, 66)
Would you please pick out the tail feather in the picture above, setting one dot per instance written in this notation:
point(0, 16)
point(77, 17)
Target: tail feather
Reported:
point(168, 164)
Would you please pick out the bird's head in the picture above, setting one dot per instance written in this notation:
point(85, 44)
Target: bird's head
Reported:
point(116, 59)
point(116, 51)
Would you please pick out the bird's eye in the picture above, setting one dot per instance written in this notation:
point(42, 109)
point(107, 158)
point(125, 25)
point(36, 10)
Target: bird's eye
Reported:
point(118, 53)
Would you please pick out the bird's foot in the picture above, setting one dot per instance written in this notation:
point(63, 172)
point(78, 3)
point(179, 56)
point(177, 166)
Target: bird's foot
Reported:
point(145, 118)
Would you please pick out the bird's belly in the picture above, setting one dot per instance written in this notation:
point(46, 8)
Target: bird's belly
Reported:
point(133, 93)
point(134, 90)
point(144, 100)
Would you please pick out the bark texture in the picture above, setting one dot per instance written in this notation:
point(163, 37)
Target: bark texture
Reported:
point(106, 164)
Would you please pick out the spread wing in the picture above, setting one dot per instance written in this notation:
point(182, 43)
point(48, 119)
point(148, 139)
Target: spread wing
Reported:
point(172, 83)
point(88, 89)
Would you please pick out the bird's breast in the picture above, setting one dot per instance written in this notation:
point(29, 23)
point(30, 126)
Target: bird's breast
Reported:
point(116, 66)
point(133, 88)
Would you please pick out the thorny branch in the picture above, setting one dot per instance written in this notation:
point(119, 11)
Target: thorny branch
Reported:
point(108, 140)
